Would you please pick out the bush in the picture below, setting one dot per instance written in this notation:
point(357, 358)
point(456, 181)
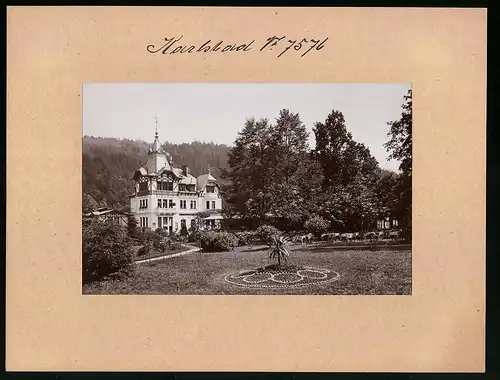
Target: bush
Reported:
point(106, 251)
point(194, 236)
point(212, 241)
point(266, 233)
point(244, 237)
point(316, 225)
point(153, 240)
point(162, 232)
point(184, 230)
point(144, 250)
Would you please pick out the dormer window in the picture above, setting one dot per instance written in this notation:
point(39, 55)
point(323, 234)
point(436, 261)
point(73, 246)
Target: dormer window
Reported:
point(210, 189)
point(143, 186)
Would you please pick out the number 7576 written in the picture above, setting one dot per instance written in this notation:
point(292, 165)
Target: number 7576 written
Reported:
point(282, 45)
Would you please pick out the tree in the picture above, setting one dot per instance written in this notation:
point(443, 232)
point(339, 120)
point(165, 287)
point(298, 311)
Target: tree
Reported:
point(132, 227)
point(89, 203)
point(350, 174)
point(400, 147)
point(332, 141)
point(247, 177)
point(292, 172)
point(270, 175)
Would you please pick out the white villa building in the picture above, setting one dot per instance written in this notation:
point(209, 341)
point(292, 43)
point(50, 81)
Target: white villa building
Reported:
point(168, 197)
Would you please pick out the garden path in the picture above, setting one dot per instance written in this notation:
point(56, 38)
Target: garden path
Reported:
point(191, 250)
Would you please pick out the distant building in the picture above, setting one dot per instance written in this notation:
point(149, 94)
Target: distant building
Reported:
point(108, 214)
point(387, 223)
point(168, 197)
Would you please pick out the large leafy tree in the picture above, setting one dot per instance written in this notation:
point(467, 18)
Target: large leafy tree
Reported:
point(400, 147)
point(332, 142)
point(291, 170)
point(247, 187)
point(271, 175)
point(350, 174)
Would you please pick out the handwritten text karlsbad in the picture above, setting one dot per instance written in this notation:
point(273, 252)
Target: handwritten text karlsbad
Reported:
point(280, 45)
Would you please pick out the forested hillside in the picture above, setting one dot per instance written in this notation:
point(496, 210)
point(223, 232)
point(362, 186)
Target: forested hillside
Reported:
point(109, 163)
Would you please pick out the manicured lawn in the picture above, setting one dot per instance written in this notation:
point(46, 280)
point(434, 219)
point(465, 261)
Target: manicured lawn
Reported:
point(362, 271)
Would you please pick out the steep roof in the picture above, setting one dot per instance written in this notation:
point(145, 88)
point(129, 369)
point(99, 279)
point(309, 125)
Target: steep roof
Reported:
point(203, 179)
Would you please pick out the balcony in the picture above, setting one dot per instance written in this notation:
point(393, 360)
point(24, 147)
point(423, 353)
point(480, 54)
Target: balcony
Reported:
point(167, 193)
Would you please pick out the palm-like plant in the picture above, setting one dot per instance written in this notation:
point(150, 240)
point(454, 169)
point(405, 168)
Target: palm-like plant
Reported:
point(278, 249)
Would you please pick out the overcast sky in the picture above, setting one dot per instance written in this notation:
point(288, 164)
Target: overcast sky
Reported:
point(217, 111)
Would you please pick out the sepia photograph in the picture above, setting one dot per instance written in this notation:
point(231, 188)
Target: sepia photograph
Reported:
point(247, 188)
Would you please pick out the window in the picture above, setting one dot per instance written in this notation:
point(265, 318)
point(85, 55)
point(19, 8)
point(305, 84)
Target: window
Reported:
point(183, 204)
point(213, 204)
point(190, 188)
point(208, 205)
point(165, 203)
point(159, 203)
point(210, 189)
point(144, 221)
point(143, 186)
point(162, 185)
point(193, 205)
point(182, 187)
point(170, 203)
point(159, 222)
point(143, 203)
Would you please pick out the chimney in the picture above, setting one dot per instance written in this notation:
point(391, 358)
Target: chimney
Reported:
point(185, 170)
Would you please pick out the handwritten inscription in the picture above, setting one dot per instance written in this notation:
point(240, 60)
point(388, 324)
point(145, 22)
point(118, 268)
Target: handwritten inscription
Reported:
point(280, 45)
point(305, 45)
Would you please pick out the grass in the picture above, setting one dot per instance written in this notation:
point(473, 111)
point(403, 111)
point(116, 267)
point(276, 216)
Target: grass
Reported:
point(383, 271)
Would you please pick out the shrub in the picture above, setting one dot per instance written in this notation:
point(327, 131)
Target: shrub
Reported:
point(162, 232)
point(106, 251)
point(266, 233)
point(194, 236)
point(316, 225)
point(278, 249)
point(212, 241)
point(153, 239)
point(132, 227)
point(184, 230)
point(144, 250)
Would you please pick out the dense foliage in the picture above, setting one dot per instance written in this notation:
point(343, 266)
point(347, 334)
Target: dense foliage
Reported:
point(273, 177)
point(213, 241)
point(106, 251)
point(400, 146)
point(267, 233)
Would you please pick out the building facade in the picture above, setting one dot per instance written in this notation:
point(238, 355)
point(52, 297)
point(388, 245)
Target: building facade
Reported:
point(168, 197)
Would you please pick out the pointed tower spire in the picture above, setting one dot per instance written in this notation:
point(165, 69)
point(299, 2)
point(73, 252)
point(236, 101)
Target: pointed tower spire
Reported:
point(156, 147)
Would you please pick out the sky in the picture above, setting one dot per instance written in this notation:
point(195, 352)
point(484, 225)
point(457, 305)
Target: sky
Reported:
point(216, 112)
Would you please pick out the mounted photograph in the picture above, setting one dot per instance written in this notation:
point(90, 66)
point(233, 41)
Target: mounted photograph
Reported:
point(247, 188)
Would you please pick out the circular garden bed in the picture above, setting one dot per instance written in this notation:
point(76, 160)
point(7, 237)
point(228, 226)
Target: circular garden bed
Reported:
point(285, 276)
